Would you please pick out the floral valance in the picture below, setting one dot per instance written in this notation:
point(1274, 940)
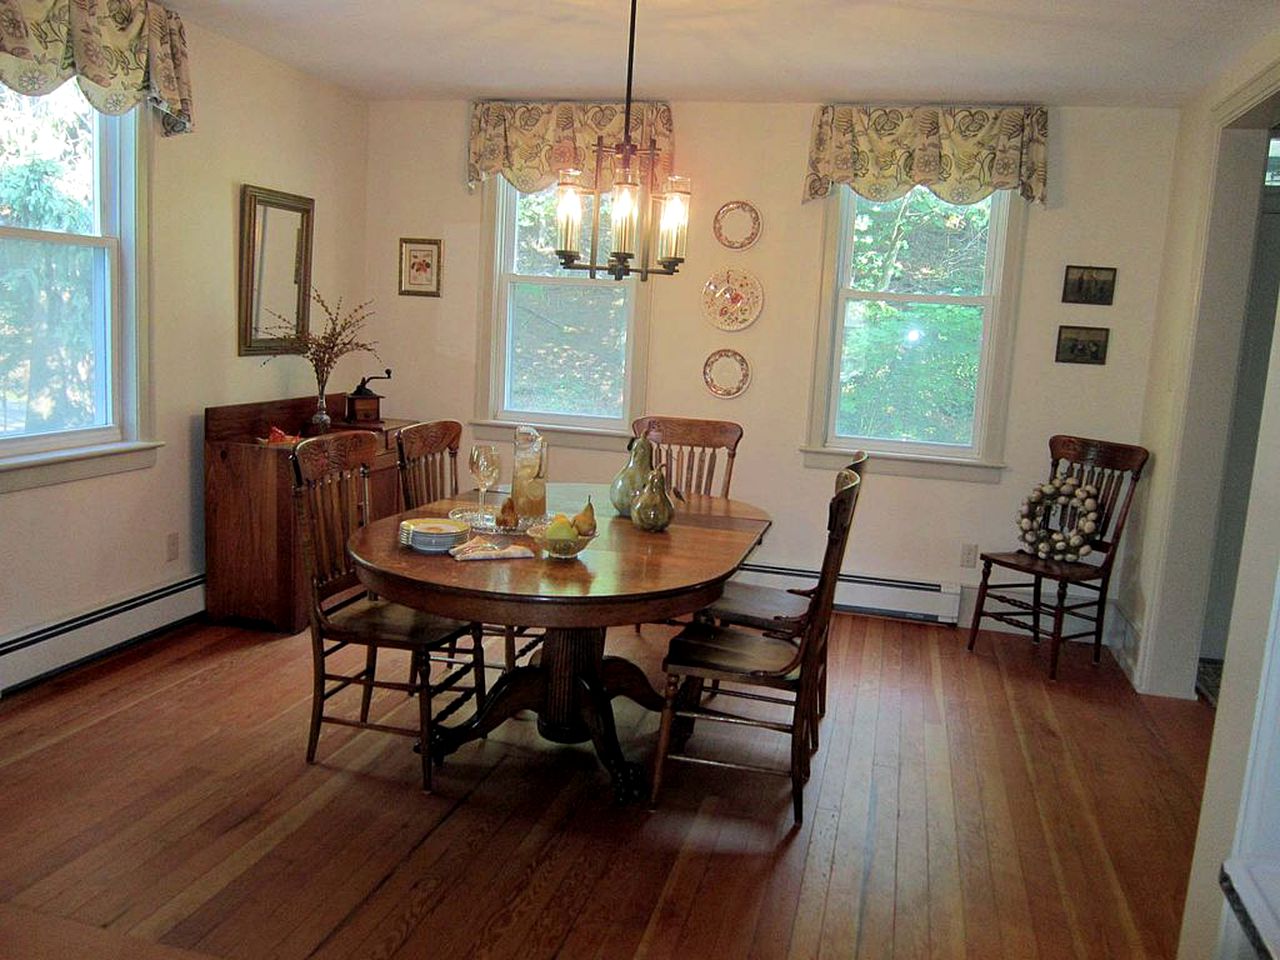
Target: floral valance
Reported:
point(529, 143)
point(963, 154)
point(120, 51)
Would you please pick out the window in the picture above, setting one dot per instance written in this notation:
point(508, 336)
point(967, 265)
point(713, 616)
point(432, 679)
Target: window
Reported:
point(912, 362)
point(68, 201)
point(565, 347)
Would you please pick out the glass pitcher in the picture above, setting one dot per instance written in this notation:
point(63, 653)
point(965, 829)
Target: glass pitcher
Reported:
point(529, 473)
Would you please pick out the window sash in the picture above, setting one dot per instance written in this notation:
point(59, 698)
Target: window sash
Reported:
point(499, 408)
point(993, 281)
point(115, 196)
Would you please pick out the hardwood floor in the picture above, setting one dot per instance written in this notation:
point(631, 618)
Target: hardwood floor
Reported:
point(157, 805)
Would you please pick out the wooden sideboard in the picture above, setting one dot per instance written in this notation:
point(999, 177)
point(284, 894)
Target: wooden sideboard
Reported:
point(252, 545)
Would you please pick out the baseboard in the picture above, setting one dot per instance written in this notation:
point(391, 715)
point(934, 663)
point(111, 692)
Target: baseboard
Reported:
point(35, 654)
point(877, 596)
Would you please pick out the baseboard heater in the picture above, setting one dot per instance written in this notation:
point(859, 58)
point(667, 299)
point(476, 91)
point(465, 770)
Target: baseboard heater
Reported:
point(39, 653)
point(877, 596)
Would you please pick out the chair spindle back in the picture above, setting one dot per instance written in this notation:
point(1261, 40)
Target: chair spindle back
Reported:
point(331, 490)
point(688, 449)
point(428, 461)
point(1113, 468)
point(839, 521)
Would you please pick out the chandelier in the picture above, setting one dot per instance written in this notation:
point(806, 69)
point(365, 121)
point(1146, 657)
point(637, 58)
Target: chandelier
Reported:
point(639, 216)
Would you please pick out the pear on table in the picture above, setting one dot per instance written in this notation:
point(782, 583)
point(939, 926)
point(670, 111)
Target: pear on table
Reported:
point(584, 521)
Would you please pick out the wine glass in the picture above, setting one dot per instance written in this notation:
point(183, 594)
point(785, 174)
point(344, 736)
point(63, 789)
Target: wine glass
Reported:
point(485, 465)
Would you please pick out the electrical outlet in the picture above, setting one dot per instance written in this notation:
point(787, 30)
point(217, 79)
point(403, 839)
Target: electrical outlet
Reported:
point(968, 555)
point(171, 546)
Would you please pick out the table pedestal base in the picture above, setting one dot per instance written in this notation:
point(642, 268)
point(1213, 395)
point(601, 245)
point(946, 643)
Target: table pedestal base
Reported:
point(572, 691)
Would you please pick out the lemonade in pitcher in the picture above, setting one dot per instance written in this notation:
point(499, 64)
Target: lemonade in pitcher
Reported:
point(529, 473)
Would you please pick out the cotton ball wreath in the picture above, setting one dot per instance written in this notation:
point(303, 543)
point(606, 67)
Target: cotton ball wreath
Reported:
point(1076, 503)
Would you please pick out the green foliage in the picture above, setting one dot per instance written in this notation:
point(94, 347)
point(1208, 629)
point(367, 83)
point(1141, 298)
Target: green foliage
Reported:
point(909, 369)
point(920, 244)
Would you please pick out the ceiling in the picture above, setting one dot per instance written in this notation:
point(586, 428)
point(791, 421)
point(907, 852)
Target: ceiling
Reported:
point(1059, 52)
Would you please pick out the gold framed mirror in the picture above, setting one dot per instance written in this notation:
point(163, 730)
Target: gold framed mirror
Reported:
point(275, 269)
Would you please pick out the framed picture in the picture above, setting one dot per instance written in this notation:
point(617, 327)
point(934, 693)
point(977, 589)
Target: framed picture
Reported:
point(1082, 344)
point(1095, 285)
point(420, 262)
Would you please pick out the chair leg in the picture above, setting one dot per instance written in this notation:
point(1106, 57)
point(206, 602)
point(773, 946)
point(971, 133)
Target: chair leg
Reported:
point(1101, 613)
point(317, 703)
point(982, 599)
point(664, 736)
point(413, 675)
point(799, 760)
point(424, 720)
point(1057, 629)
point(370, 674)
point(1035, 610)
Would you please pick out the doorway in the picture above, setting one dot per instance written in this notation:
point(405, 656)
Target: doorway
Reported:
point(1242, 431)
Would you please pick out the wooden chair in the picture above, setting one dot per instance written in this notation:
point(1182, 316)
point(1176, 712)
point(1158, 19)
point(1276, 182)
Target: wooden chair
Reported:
point(786, 665)
point(428, 461)
point(776, 611)
point(429, 472)
point(1114, 468)
point(331, 493)
point(687, 450)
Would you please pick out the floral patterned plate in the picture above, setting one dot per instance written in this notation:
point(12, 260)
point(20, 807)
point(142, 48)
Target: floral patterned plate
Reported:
point(737, 225)
point(726, 373)
point(732, 299)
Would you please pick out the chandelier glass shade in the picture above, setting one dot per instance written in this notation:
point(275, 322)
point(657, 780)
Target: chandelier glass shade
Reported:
point(648, 221)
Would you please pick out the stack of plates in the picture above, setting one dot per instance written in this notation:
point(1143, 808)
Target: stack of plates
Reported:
point(433, 534)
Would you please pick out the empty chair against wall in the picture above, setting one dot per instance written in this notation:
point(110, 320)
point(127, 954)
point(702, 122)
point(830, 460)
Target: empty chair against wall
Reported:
point(1114, 469)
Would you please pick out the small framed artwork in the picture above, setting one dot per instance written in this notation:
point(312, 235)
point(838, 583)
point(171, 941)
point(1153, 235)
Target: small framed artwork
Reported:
point(1082, 344)
point(420, 262)
point(1096, 285)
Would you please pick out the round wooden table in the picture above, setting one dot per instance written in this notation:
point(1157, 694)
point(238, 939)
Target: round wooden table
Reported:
point(624, 576)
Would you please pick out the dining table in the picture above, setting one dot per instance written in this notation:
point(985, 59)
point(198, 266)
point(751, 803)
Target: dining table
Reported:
point(624, 576)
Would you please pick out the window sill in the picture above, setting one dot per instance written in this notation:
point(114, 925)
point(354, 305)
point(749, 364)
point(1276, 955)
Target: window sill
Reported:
point(578, 438)
point(908, 465)
point(81, 463)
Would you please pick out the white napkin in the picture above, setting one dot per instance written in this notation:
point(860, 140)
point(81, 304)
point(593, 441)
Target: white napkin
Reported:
point(478, 548)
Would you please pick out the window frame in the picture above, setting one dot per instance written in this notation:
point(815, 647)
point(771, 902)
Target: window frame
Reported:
point(122, 216)
point(982, 459)
point(493, 340)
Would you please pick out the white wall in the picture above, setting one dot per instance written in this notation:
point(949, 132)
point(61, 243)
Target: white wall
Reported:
point(1109, 186)
point(75, 546)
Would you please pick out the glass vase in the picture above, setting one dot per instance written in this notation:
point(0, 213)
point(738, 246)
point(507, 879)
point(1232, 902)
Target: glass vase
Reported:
point(320, 420)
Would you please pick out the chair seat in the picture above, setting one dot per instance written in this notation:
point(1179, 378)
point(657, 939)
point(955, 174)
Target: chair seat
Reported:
point(393, 625)
point(701, 650)
point(1054, 569)
point(761, 608)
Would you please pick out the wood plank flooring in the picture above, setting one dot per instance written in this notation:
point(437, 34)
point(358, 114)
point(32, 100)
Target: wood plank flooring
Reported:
point(157, 804)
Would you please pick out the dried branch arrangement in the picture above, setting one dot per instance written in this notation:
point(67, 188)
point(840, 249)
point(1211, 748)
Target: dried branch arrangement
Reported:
point(339, 337)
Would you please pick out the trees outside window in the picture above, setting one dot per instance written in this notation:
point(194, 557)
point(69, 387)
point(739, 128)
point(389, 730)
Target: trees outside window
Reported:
point(563, 343)
point(918, 282)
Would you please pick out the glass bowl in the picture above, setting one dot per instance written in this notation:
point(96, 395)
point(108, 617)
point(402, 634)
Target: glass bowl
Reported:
point(558, 549)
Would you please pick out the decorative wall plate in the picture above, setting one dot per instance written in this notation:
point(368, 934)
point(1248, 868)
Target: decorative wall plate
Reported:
point(726, 373)
point(737, 225)
point(732, 299)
